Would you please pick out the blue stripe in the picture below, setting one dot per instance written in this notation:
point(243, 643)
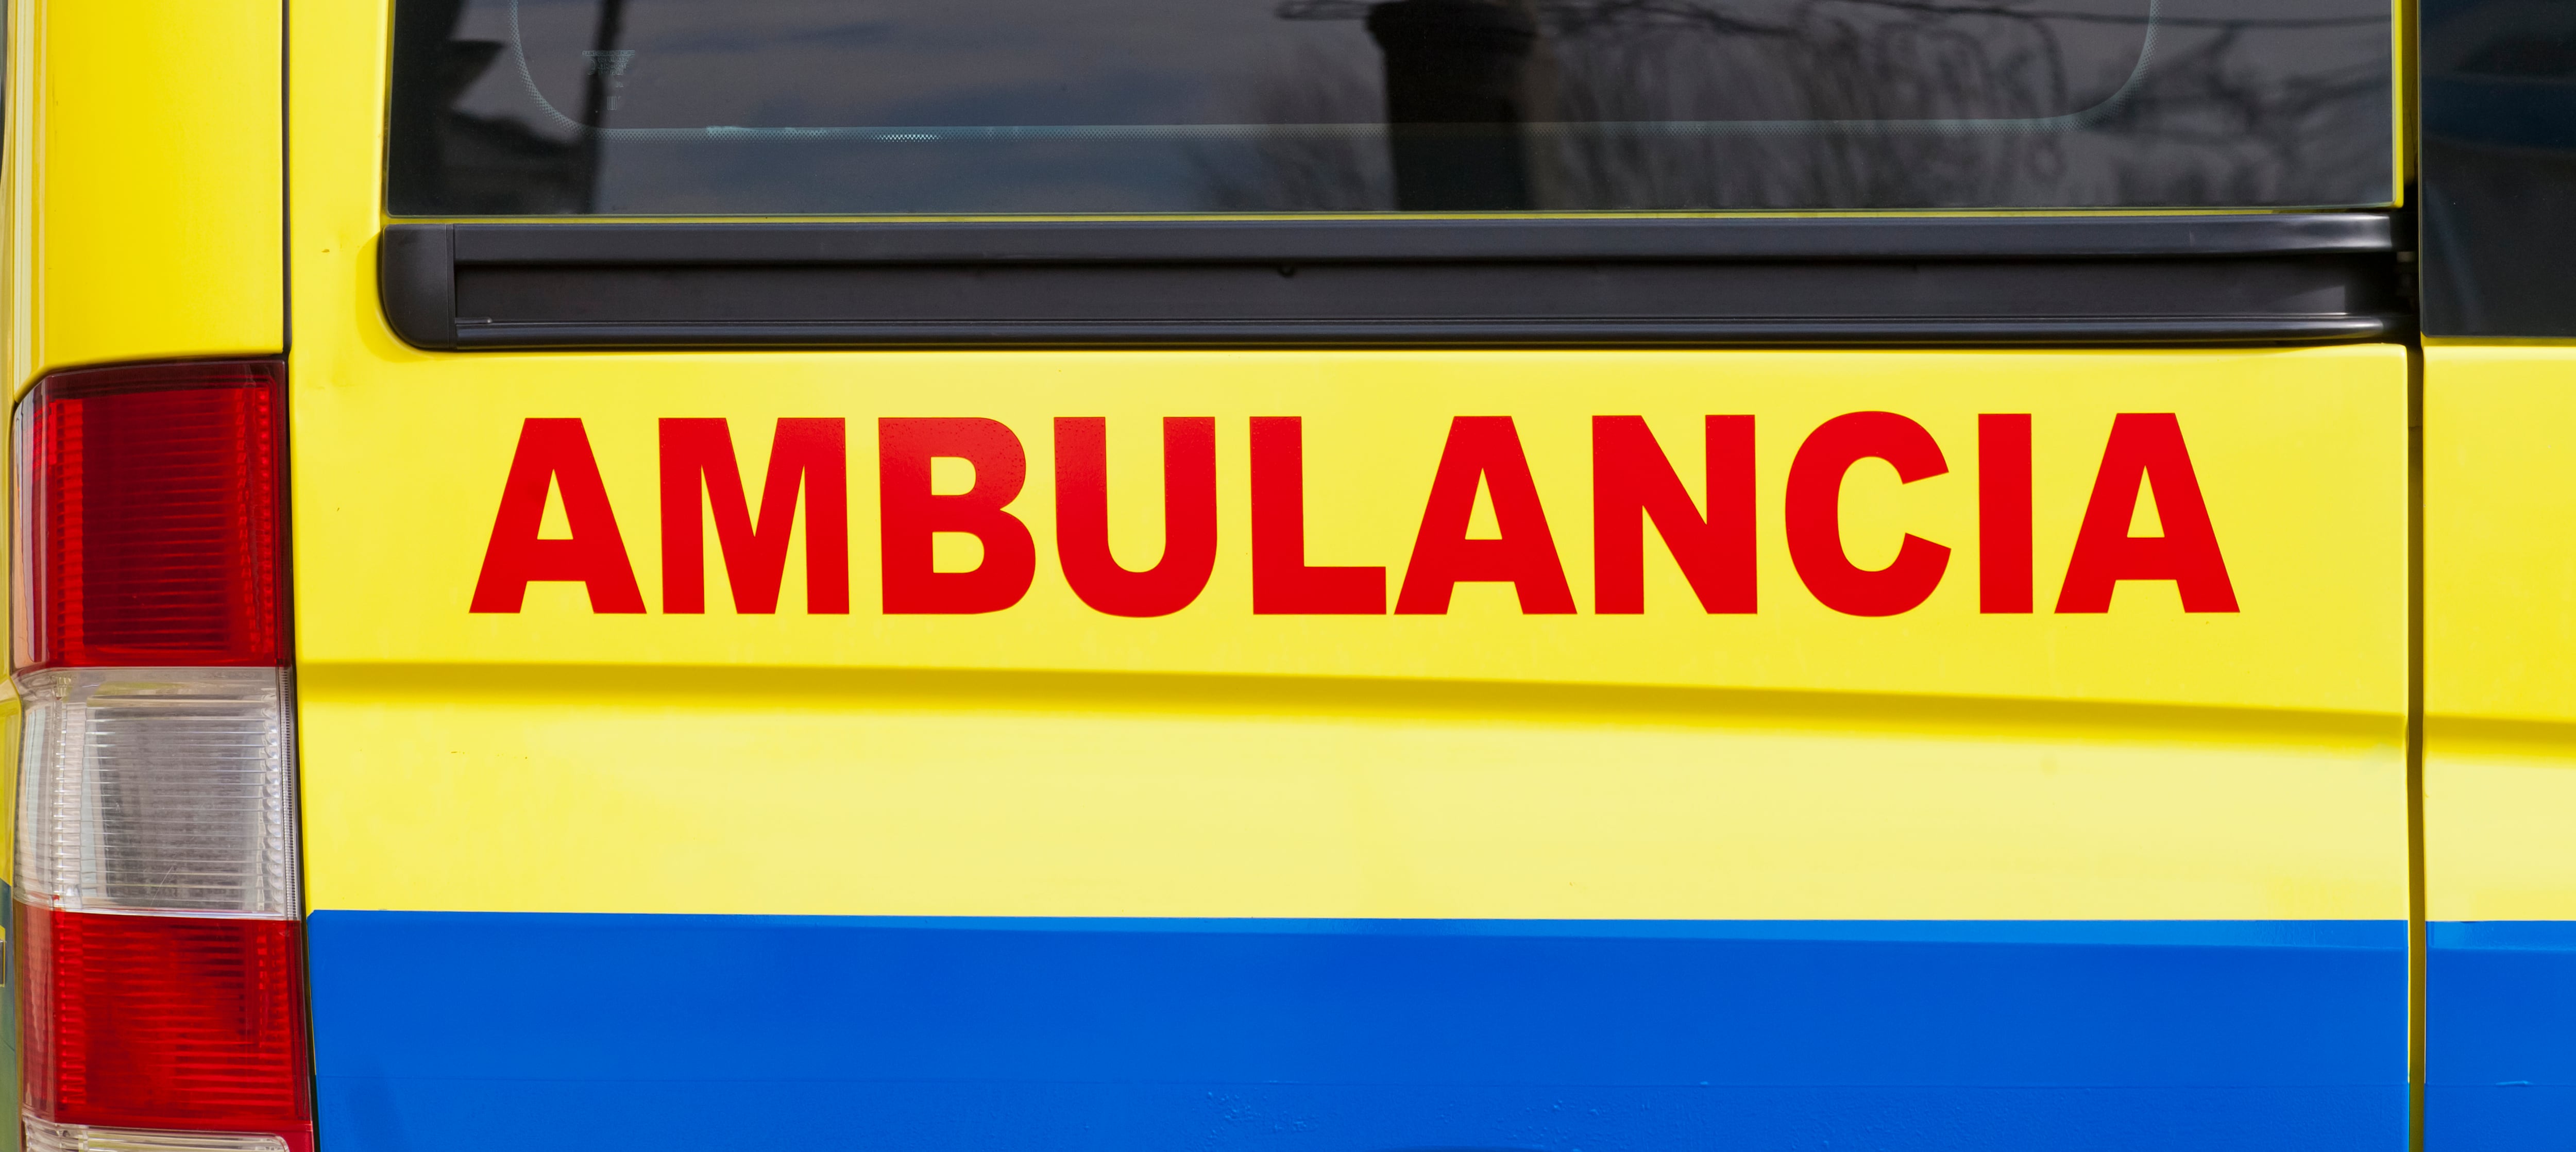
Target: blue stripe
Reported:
point(583, 1031)
point(2165, 933)
point(2500, 1035)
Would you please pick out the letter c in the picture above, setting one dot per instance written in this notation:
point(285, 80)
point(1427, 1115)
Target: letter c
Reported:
point(1813, 514)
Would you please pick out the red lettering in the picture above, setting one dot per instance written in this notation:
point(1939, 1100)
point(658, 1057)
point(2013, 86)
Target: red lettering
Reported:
point(1633, 481)
point(1484, 451)
point(555, 454)
point(1814, 514)
point(910, 513)
point(1282, 582)
point(2146, 448)
point(1189, 517)
point(809, 453)
point(2003, 512)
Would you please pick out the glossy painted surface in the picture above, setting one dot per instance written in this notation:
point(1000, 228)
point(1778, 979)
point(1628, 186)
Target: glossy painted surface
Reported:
point(146, 205)
point(2500, 742)
point(2500, 631)
point(2499, 1073)
point(1298, 1034)
point(1046, 760)
point(1985, 787)
point(1674, 763)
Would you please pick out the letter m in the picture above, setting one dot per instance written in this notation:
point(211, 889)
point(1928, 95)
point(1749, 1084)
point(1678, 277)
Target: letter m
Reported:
point(807, 453)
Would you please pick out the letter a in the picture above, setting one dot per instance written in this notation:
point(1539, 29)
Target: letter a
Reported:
point(2146, 448)
point(1483, 451)
point(555, 453)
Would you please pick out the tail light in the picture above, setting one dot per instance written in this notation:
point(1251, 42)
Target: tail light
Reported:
point(157, 921)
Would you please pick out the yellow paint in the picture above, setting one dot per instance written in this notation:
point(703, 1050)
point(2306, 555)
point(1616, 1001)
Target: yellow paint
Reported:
point(1796, 762)
point(2404, 98)
point(12, 716)
point(707, 790)
point(2500, 631)
point(401, 475)
point(145, 192)
point(1048, 760)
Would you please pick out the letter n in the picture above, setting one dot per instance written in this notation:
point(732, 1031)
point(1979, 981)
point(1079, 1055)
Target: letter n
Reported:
point(1634, 482)
point(554, 454)
point(811, 453)
point(2146, 448)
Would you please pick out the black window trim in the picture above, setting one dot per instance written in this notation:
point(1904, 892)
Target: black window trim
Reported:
point(2089, 279)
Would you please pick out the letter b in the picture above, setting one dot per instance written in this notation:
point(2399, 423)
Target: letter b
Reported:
point(911, 513)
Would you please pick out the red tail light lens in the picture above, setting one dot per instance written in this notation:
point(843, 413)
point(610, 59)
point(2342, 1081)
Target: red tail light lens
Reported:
point(150, 516)
point(163, 1021)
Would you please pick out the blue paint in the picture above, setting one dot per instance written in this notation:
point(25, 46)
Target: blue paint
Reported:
point(449, 1030)
point(2500, 1035)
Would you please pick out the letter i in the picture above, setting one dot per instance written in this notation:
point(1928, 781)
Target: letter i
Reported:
point(2003, 512)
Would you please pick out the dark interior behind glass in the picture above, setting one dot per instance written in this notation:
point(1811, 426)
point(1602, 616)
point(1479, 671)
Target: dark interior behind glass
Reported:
point(2499, 167)
point(545, 107)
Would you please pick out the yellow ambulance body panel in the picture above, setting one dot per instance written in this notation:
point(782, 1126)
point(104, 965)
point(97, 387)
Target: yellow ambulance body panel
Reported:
point(1047, 759)
point(2097, 832)
point(2499, 632)
point(1042, 873)
point(146, 182)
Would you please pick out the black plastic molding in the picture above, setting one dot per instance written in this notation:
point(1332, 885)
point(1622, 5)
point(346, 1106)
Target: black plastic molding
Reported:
point(2309, 277)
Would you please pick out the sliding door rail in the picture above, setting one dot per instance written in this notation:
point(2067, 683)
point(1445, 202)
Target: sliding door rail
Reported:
point(2191, 279)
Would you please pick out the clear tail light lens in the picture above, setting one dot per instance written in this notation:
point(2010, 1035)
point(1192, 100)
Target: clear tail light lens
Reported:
point(158, 789)
point(48, 1137)
point(158, 920)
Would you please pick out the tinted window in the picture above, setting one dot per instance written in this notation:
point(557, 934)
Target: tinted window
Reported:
point(1098, 106)
point(2499, 167)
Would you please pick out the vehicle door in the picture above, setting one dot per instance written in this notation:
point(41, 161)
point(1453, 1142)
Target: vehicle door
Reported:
point(1434, 574)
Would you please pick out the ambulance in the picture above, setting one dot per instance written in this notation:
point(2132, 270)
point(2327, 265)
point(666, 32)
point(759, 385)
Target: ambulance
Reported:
point(1291, 575)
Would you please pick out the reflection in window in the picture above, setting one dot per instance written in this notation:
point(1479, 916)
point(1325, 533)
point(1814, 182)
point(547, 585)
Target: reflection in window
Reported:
point(513, 107)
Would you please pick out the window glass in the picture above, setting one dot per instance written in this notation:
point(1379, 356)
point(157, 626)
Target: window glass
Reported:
point(2499, 167)
point(516, 107)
